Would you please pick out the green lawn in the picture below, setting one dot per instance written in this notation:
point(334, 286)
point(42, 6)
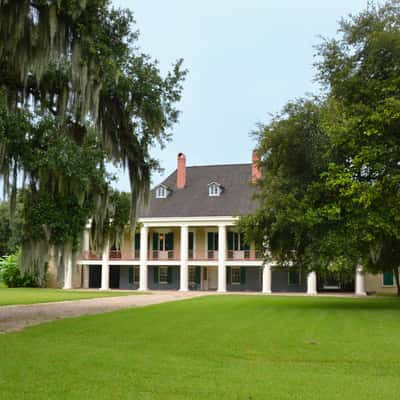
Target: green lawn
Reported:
point(33, 295)
point(218, 347)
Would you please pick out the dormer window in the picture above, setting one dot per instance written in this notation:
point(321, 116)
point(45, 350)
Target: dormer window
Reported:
point(161, 192)
point(214, 189)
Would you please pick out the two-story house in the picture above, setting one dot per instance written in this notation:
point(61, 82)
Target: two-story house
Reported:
point(189, 240)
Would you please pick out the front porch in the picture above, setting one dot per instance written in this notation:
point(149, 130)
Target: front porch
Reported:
point(237, 278)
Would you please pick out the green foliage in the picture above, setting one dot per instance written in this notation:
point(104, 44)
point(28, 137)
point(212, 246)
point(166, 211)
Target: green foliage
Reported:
point(361, 70)
point(11, 275)
point(292, 149)
point(75, 95)
point(10, 227)
point(116, 214)
point(330, 187)
point(9, 270)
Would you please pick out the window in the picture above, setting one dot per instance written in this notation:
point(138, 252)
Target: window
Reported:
point(191, 245)
point(163, 245)
point(192, 274)
point(236, 241)
point(212, 240)
point(133, 275)
point(136, 245)
point(163, 275)
point(212, 244)
point(237, 247)
point(214, 189)
point(388, 279)
point(235, 276)
point(294, 277)
point(161, 192)
point(130, 275)
point(163, 241)
point(136, 272)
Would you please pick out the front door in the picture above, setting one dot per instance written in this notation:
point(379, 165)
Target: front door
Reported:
point(114, 277)
point(94, 276)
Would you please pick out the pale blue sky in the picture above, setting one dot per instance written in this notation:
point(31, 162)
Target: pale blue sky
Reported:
point(246, 59)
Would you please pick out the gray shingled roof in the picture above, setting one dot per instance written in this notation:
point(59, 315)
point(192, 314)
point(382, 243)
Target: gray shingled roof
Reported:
point(194, 201)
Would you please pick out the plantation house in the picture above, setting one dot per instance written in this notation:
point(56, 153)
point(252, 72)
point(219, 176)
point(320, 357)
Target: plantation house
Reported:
point(188, 240)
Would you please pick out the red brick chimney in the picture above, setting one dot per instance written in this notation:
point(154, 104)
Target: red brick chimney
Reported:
point(181, 173)
point(255, 169)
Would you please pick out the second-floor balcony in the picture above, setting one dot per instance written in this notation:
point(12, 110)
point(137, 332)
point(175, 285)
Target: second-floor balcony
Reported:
point(90, 255)
point(208, 255)
point(171, 255)
point(112, 255)
point(163, 255)
point(124, 255)
point(249, 255)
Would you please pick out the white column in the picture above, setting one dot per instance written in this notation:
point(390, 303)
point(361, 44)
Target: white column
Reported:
point(68, 271)
point(86, 240)
point(312, 283)
point(184, 258)
point(144, 233)
point(266, 278)
point(360, 282)
point(222, 258)
point(86, 250)
point(105, 268)
point(85, 276)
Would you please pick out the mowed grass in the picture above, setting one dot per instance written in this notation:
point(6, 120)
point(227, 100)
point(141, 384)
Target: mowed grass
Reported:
point(9, 296)
point(217, 347)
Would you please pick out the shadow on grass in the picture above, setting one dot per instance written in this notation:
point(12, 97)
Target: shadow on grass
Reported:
point(343, 304)
point(325, 303)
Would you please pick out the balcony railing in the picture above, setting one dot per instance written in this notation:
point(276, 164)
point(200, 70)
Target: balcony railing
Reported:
point(163, 255)
point(125, 255)
point(244, 255)
point(90, 255)
point(115, 254)
point(209, 255)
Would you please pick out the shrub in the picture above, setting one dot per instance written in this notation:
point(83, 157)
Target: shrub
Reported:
point(9, 271)
point(11, 275)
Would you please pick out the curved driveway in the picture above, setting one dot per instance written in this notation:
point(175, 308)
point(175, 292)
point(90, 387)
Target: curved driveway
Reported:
point(18, 317)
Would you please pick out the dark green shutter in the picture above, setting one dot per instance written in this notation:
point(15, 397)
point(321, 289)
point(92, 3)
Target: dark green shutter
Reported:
point(130, 275)
point(230, 240)
point(228, 275)
point(137, 241)
point(191, 241)
point(169, 241)
point(197, 277)
point(169, 275)
point(155, 241)
point(388, 279)
point(242, 275)
point(155, 274)
point(210, 237)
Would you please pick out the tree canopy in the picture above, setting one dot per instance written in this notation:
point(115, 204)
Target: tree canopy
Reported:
point(331, 166)
point(76, 94)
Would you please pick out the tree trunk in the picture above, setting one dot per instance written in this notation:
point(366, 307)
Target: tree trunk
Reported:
point(396, 277)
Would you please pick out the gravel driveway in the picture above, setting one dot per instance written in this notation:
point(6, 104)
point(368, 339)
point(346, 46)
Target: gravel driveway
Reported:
point(15, 318)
